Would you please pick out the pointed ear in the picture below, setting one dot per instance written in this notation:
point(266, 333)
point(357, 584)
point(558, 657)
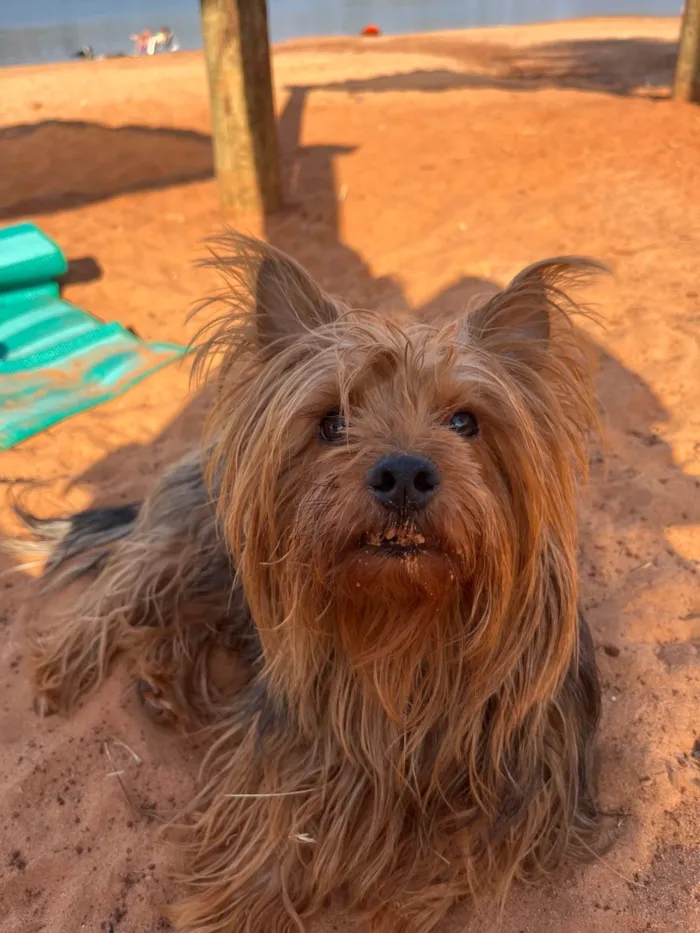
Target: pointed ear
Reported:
point(287, 301)
point(267, 299)
point(522, 317)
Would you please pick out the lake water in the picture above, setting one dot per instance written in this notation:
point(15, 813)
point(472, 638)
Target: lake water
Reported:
point(54, 30)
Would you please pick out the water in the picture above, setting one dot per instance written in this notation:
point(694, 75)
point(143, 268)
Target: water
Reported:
point(54, 30)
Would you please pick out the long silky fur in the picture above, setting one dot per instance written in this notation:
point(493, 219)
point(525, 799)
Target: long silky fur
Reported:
point(403, 736)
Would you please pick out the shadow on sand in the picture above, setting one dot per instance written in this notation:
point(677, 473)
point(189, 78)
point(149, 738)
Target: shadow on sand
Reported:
point(143, 158)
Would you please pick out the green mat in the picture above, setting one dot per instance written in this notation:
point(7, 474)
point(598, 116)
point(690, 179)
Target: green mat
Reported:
point(56, 360)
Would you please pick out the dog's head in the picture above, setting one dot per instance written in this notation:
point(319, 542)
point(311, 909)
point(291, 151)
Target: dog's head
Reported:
point(378, 478)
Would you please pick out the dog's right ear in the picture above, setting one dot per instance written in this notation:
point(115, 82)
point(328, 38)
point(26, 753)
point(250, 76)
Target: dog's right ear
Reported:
point(267, 300)
point(287, 300)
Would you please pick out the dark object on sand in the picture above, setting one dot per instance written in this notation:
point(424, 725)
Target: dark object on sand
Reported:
point(81, 271)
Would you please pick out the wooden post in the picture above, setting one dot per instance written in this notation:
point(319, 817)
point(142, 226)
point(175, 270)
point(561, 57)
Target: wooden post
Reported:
point(246, 152)
point(687, 83)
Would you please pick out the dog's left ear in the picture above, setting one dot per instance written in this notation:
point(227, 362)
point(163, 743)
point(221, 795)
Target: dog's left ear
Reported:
point(287, 300)
point(520, 318)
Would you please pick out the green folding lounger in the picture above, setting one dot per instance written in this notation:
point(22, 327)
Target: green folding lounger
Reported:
point(55, 359)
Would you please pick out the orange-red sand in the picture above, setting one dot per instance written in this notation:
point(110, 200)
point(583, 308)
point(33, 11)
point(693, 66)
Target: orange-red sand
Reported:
point(416, 170)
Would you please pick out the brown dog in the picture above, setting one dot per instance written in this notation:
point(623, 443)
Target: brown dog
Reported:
point(382, 534)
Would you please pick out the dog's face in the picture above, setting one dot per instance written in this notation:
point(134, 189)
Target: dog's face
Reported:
point(368, 463)
point(402, 461)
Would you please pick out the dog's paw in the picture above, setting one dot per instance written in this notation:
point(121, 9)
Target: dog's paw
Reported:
point(155, 705)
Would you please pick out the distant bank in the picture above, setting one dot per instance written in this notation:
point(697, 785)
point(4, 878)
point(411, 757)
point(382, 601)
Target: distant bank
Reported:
point(55, 30)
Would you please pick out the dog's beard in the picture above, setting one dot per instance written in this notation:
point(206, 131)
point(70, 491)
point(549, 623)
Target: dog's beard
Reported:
point(392, 604)
point(396, 648)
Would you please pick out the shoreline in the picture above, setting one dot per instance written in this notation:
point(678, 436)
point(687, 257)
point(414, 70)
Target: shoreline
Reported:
point(520, 34)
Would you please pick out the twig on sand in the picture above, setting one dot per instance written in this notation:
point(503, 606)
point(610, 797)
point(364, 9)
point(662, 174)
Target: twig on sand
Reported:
point(148, 812)
point(137, 758)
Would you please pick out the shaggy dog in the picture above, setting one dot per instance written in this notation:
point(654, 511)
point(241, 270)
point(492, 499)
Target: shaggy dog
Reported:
point(381, 534)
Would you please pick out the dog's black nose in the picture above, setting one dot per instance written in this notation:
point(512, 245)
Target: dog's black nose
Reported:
point(403, 482)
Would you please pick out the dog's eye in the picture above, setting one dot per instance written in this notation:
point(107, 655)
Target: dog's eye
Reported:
point(464, 423)
point(332, 427)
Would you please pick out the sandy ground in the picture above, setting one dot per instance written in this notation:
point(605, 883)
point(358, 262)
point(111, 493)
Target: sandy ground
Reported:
point(416, 170)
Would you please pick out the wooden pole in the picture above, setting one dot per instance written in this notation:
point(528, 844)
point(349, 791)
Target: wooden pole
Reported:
point(246, 152)
point(687, 83)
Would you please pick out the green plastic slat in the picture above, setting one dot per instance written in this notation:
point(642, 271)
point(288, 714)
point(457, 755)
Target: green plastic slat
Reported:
point(17, 300)
point(50, 319)
point(28, 257)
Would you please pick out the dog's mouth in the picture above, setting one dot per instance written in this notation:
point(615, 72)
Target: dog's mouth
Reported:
point(396, 541)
